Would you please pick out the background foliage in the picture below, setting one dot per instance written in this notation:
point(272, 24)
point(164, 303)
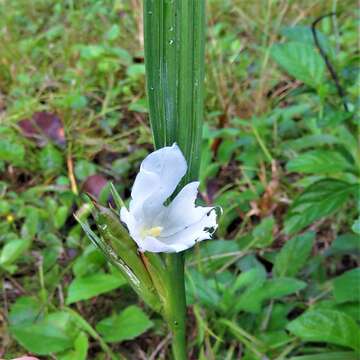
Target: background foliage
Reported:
point(279, 154)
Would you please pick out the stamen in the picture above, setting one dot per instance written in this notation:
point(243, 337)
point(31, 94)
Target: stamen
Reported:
point(154, 231)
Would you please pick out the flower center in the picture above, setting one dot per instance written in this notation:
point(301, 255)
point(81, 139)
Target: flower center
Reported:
point(154, 231)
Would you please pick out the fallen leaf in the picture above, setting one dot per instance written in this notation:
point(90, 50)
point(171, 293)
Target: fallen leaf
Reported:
point(94, 184)
point(44, 126)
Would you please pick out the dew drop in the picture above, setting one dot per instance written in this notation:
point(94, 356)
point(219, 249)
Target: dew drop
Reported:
point(171, 42)
point(171, 28)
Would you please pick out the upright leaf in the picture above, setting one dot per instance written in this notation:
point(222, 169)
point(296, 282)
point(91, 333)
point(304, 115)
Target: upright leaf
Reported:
point(174, 38)
point(174, 59)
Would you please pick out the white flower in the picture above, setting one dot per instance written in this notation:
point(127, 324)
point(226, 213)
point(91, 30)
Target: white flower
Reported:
point(156, 227)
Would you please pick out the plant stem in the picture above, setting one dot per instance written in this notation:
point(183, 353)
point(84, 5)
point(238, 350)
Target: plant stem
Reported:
point(176, 310)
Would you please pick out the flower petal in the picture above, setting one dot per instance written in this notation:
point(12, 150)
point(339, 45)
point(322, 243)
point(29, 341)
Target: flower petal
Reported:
point(152, 244)
point(159, 175)
point(129, 220)
point(194, 233)
point(182, 212)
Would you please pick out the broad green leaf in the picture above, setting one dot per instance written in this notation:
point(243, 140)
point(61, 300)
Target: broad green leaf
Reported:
point(318, 200)
point(247, 280)
point(301, 33)
point(252, 299)
point(11, 151)
point(293, 255)
point(309, 141)
point(127, 325)
point(12, 250)
point(253, 277)
point(91, 52)
point(302, 61)
point(356, 226)
point(201, 289)
point(345, 244)
point(50, 159)
point(25, 310)
point(81, 345)
point(211, 255)
point(328, 326)
point(113, 33)
point(32, 221)
point(347, 286)
point(92, 285)
point(60, 216)
point(318, 162)
point(135, 71)
point(55, 333)
point(263, 233)
point(90, 261)
point(84, 168)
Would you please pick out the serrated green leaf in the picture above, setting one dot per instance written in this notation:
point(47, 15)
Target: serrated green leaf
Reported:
point(293, 255)
point(318, 162)
point(301, 61)
point(252, 299)
point(318, 200)
point(263, 233)
point(328, 326)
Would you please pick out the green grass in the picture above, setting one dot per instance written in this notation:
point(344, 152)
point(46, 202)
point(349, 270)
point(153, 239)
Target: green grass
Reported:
point(279, 154)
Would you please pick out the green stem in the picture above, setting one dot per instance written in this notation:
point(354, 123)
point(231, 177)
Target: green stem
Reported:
point(176, 305)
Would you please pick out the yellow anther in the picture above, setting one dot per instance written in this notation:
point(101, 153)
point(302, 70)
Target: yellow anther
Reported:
point(154, 231)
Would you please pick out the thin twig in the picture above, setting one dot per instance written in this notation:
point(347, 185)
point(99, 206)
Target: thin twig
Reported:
point(323, 54)
point(162, 344)
point(71, 175)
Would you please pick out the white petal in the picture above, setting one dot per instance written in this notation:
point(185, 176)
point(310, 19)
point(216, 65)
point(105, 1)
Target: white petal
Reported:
point(152, 244)
point(194, 233)
point(182, 212)
point(129, 220)
point(159, 175)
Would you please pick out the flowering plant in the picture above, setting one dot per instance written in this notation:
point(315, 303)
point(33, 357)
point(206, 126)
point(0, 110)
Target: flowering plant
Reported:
point(156, 227)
